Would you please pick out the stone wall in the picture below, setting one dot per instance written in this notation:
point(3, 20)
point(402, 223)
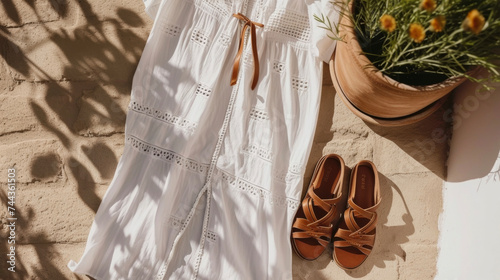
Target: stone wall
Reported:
point(66, 70)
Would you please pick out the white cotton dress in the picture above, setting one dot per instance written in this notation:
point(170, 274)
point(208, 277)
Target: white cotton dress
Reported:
point(211, 174)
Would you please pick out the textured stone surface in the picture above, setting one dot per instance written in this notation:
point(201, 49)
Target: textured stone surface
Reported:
point(45, 217)
point(17, 13)
point(34, 160)
point(15, 120)
point(65, 74)
point(102, 111)
point(36, 53)
point(44, 261)
point(65, 78)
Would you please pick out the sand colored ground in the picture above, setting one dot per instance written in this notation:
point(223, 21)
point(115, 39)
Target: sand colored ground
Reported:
point(66, 69)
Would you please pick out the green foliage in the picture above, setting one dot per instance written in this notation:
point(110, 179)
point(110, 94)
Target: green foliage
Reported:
point(453, 52)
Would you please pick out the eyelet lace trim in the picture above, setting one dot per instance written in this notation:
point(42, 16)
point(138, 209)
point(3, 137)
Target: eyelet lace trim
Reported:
point(203, 90)
point(217, 8)
point(247, 58)
point(224, 40)
point(258, 114)
point(259, 151)
point(257, 8)
point(278, 66)
point(211, 236)
point(293, 171)
point(170, 29)
point(299, 84)
point(167, 155)
point(162, 116)
point(175, 222)
point(259, 193)
point(199, 37)
point(290, 24)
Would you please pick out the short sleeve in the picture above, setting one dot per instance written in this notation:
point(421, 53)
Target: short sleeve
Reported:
point(323, 46)
point(152, 7)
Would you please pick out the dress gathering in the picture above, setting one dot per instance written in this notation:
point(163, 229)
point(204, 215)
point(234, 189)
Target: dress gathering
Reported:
point(222, 114)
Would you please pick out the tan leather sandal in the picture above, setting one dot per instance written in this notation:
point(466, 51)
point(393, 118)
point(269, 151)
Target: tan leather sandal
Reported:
point(319, 215)
point(355, 237)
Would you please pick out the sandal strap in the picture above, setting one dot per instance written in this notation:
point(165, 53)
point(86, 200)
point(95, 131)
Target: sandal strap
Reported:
point(321, 233)
point(325, 204)
point(308, 208)
point(352, 225)
point(303, 234)
point(313, 226)
point(305, 225)
point(364, 243)
point(355, 235)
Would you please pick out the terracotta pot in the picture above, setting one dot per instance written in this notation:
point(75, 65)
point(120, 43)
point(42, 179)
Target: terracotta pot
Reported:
point(375, 97)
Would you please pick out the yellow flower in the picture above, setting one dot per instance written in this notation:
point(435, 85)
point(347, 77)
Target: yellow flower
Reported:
point(474, 22)
point(388, 23)
point(417, 32)
point(437, 23)
point(428, 5)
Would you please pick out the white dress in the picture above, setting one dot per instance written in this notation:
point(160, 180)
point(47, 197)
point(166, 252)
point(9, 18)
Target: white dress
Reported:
point(211, 174)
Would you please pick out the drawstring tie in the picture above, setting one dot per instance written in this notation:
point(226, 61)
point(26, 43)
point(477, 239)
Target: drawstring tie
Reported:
point(236, 65)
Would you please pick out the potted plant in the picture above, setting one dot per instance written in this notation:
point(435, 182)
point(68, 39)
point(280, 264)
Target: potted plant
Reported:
point(396, 60)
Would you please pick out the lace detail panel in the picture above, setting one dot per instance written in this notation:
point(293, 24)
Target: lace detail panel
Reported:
point(278, 66)
point(290, 24)
point(299, 84)
point(167, 155)
point(295, 168)
point(224, 40)
point(162, 272)
point(199, 37)
point(257, 8)
point(294, 171)
point(175, 222)
point(258, 192)
point(258, 114)
point(248, 58)
point(261, 152)
point(211, 236)
point(217, 8)
point(162, 116)
point(170, 29)
point(203, 90)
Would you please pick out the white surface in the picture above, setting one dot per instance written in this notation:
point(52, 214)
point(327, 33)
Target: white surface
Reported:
point(470, 223)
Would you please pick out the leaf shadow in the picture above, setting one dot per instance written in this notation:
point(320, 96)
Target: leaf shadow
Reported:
point(102, 55)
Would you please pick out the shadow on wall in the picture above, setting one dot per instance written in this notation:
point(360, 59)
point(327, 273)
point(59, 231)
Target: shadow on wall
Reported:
point(482, 143)
point(476, 142)
point(389, 238)
point(45, 251)
point(93, 88)
point(427, 141)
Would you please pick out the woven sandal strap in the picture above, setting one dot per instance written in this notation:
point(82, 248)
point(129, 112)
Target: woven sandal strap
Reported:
point(367, 213)
point(302, 235)
point(322, 238)
point(308, 209)
point(305, 225)
point(361, 248)
point(309, 234)
point(365, 239)
point(350, 217)
point(325, 204)
point(364, 243)
point(326, 220)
